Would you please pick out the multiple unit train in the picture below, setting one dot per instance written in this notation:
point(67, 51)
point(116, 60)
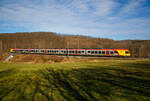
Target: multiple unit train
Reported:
point(74, 52)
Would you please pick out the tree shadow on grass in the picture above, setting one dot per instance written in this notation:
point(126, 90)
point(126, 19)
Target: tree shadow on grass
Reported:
point(96, 84)
point(83, 84)
point(7, 72)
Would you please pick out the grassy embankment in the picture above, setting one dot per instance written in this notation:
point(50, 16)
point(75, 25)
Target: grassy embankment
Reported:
point(106, 80)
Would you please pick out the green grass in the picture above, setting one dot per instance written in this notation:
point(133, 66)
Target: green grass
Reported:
point(106, 80)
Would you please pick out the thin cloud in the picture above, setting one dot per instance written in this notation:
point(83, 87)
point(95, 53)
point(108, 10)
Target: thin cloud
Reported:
point(84, 17)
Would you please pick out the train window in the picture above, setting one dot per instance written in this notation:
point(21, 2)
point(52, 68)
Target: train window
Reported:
point(111, 52)
point(82, 51)
point(127, 52)
point(96, 52)
point(115, 52)
point(79, 52)
point(89, 51)
point(100, 52)
point(92, 52)
point(71, 51)
point(103, 52)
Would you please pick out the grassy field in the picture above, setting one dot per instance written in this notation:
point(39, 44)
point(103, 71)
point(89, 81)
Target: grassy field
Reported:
point(103, 80)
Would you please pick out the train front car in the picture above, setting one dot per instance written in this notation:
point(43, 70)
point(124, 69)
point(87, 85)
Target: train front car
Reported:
point(123, 52)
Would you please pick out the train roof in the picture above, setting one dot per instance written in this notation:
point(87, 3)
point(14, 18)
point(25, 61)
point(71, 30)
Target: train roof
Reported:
point(70, 49)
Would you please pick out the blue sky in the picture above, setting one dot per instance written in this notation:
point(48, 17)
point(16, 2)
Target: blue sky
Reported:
point(115, 19)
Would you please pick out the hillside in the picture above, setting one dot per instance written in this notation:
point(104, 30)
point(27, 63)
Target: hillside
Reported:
point(139, 48)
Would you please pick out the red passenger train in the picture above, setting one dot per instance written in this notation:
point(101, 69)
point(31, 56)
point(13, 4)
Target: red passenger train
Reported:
point(74, 52)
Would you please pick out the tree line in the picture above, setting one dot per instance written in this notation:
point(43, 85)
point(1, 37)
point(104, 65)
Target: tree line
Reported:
point(138, 48)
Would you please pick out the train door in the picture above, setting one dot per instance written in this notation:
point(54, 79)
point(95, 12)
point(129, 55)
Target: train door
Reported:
point(45, 51)
point(107, 53)
point(76, 51)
